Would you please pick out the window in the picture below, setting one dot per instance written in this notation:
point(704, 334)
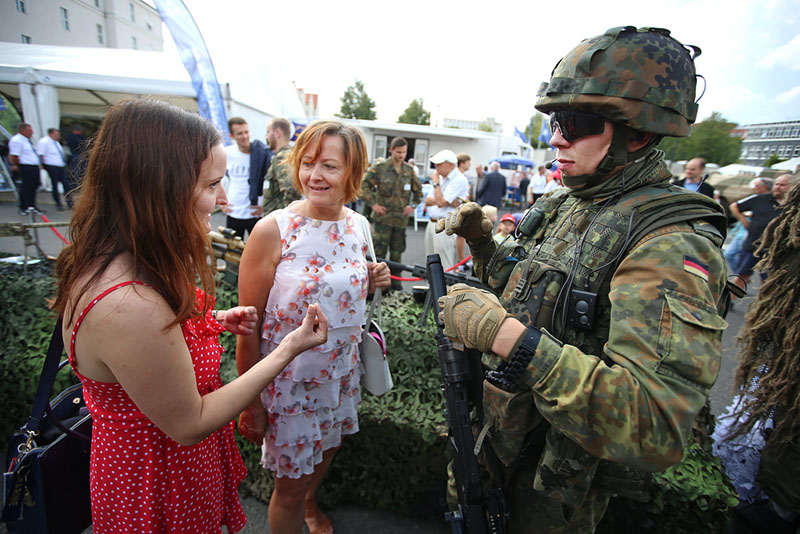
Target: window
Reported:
point(26, 39)
point(134, 44)
point(100, 34)
point(96, 3)
point(21, 7)
point(133, 13)
point(149, 25)
point(771, 132)
point(780, 150)
point(64, 18)
point(795, 131)
point(796, 150)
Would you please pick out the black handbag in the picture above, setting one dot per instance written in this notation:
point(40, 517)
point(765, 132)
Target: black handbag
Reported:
point(46, 482)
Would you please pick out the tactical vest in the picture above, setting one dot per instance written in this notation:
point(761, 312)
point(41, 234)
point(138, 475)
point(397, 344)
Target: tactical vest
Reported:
point(561, 265)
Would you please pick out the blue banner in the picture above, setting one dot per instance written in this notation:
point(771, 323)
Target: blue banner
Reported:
point(520, 134)
point(194, 54)
point(298, 129)
point(545, 134)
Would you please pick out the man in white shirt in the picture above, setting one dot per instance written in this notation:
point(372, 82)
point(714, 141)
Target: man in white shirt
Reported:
point(538, 185)
point(54, 162)
point(25, 160)
point(450, 189)
point(247, 165)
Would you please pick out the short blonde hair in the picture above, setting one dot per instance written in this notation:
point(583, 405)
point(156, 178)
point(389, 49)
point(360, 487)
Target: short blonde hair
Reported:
point(355, 153)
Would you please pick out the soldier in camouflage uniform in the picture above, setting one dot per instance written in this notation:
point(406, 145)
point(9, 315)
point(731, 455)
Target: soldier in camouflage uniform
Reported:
point(281, 191)
point(391, 188)
point(606, 337)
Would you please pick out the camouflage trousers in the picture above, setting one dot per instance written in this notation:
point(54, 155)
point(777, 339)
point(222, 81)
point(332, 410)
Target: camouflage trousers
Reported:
point(532, 512)
point(391, 238)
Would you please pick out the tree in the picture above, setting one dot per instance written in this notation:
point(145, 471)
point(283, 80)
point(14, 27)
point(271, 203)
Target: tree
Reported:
point(483, 127)
point(710, 139)
point(415, 113)
point(772, 160)
point(533, 129)
point(356, 103)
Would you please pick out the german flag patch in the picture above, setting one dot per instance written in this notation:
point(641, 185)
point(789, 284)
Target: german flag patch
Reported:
point(696, 267)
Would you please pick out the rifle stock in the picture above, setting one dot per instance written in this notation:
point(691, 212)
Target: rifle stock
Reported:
point(478, 511)
point(226, 245)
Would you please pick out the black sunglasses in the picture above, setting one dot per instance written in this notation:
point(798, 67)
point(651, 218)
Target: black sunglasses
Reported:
point(576, 124)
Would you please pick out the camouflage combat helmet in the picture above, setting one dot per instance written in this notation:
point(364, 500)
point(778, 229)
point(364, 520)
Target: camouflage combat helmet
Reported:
point(643, 79)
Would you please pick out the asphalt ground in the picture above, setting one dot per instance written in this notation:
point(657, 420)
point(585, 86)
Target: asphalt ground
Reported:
point(352, 518)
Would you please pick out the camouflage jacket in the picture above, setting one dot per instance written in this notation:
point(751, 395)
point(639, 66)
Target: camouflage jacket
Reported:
point(628, 389)
point(382, 185)
point(281, 191)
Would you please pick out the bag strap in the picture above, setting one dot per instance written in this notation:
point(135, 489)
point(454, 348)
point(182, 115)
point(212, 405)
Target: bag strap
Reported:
point(376, 297)
point(46, 380)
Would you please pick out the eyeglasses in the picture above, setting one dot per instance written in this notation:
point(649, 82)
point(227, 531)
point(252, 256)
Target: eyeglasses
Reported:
point(576, 124)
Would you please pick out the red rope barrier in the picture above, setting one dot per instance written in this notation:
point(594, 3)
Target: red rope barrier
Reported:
point(53, 228)
point(401, 279)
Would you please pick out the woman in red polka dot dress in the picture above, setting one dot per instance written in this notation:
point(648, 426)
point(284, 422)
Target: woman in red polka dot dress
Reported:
point(144, 340)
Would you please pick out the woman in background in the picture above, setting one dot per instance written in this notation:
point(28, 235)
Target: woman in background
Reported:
point(144, 340)
point(311, 252)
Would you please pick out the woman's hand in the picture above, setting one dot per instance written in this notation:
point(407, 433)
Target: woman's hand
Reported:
point(240, 320)
point(379, 276)
point(253, 423)
point(313, 331)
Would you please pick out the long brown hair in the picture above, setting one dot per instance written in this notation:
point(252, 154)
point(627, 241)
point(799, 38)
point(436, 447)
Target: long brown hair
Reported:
point(137, 199)
point(355, 153)
point(768, 372)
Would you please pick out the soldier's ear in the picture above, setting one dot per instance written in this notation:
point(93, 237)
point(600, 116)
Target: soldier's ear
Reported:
point(637, 140)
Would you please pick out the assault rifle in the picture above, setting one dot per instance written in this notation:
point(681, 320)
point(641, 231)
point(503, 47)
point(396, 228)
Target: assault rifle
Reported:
point(226, 245)
point(422, 272)
point(479, 511)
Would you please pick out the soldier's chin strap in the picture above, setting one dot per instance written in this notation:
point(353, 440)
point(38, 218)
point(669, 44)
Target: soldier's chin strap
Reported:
point(617, 155)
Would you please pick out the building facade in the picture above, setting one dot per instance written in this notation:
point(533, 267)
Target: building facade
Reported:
point(87, 23)
point(760, 141)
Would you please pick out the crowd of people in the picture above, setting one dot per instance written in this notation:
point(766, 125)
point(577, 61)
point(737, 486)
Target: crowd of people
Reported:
point(600, 325)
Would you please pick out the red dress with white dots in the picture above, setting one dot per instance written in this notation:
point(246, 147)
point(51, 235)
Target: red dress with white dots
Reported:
point(141, 480)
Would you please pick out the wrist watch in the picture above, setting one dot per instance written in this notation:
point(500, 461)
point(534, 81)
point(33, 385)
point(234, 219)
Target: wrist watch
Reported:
point(436, 184)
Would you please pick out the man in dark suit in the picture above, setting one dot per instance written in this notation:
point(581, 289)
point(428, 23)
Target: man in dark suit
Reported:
point(694, 178)
point(493, 188)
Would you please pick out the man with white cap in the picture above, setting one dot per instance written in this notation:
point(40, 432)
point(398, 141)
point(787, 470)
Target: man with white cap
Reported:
point(450, 189)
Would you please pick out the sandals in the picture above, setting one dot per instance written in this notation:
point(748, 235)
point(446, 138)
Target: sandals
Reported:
point(313, 513)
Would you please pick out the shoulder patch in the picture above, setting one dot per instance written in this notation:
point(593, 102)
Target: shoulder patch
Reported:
point(694, 266)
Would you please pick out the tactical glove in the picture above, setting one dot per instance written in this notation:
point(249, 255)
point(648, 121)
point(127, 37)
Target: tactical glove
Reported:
point(472, 316)
point(468, 221)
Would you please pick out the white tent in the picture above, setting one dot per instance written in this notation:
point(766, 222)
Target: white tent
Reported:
point(51, 81)
point(788, 165)
point(737, 168)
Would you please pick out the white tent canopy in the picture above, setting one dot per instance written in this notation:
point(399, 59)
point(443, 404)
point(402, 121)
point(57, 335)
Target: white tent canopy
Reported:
point(788, 165)
point(55, 80)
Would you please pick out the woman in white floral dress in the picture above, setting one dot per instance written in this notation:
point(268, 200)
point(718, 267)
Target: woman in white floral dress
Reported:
point(312, 251)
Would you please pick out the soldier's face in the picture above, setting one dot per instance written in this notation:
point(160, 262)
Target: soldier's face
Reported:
point(398, 154)
point(323, 178)
point(584, 154)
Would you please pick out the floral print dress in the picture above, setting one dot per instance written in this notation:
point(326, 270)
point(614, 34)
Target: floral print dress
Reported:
point(313, 402)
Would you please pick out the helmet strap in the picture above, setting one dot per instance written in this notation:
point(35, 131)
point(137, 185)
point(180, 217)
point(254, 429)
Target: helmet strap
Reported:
point(617, 155)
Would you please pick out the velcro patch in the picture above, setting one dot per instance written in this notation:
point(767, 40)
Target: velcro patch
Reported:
point(696, 267)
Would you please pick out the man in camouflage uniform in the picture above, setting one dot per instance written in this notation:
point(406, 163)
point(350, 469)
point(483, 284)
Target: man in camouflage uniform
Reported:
point(281, 191)
point(606, 337)
point(391, 188)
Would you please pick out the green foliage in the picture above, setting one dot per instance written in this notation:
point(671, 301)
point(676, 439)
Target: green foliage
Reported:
point(24, 335)
point(415, 113)
point(483, 127)
point(773, 159)
point(711, 139)
point(397, 460)
point(356, 103)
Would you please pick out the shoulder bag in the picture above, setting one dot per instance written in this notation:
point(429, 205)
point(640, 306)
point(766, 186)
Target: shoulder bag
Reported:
point(377, 379)
point(45, 486)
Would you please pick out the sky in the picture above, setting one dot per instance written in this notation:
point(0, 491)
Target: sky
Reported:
point(473, 60)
